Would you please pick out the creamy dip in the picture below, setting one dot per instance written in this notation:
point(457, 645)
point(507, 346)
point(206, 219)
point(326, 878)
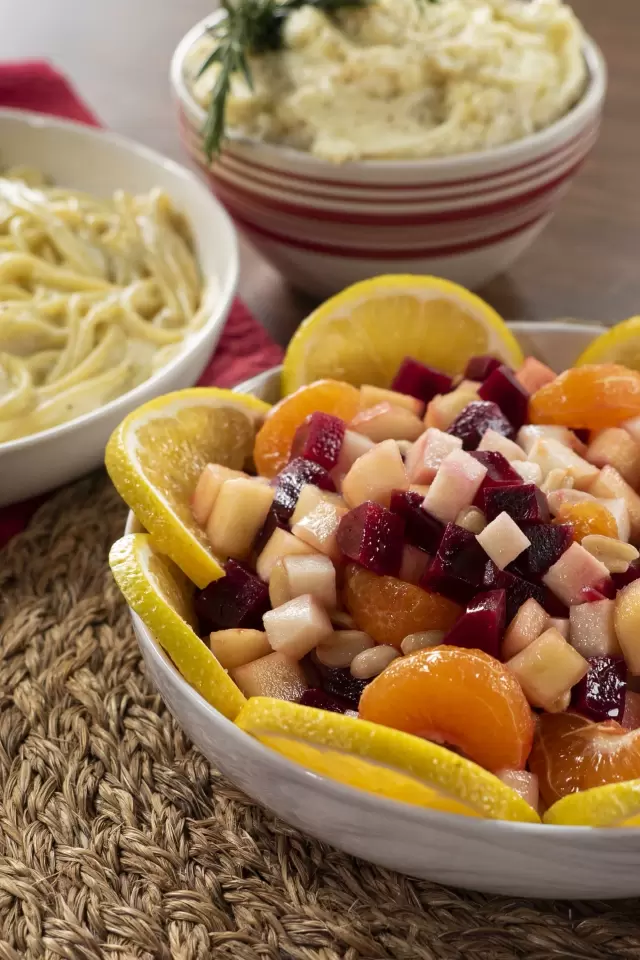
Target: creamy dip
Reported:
point(408, 78)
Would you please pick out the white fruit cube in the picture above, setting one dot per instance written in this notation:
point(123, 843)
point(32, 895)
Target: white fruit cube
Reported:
point(561, 624)
point(627, 624)
point(527, 471)
point(565, 496)
point(274, 676)
point(279, 589)
point(592, 629)
point(371, 396)
point(297, 627)
point(207, 489)
point(428, 452)
point(234, 648)
point(319, 528)
point(455, 486)
point(547, 668)
point(503, 540)
point(523, 783)
point(529, 622)
point(353, 446)
point(572, 573)
point(238, 514)
point(315, 575)
point(374, 475)
point(529, 434)
point(633, 428)
point(616, 447)
point(492, 440)
point(414, 564)
point(620, 513)
point(310, 497)
point(471, 519)
point(386, 422)
point(551, 454)
point(280, 544)
point(445, 407)
point(610, 485)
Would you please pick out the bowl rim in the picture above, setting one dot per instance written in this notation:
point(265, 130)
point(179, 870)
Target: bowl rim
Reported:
point(228, 284)
point(591, 99)
point(483, 828)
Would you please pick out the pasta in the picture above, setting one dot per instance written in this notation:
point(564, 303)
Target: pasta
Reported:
point(95, 296)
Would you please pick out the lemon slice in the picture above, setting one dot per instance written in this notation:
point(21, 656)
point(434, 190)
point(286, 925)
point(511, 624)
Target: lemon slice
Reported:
point(614, 805)
point(621, 345)
point(379, 760)
point(161, 596)
point(363, 334)
point(157, 454)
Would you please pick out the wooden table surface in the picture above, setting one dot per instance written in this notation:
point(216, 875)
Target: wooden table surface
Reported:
point(586, 263)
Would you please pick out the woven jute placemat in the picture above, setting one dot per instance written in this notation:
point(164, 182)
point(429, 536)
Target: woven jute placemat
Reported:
point(118, 840)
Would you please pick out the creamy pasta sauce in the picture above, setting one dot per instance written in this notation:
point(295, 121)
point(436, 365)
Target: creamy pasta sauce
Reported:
point(408, 78)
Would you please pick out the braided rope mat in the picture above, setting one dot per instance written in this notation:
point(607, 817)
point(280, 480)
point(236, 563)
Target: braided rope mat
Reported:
point(118, 840)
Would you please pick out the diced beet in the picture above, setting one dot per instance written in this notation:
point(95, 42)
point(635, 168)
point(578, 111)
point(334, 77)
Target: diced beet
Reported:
point(482, 624)
point(323, 701)
point(418, 380)
point(605, 590)
point(518, 591)
point(502, 388)
point(621, 580)
point(373, 537)
point(271, 523)
point(292, 479)
point(548, 542)
point(474, 421)
point(601, 694)
point(480, 367)
point(339, 683)
point(421, 529)
point(525, 503)
point(500, 473)
point(457, 569)
point(239, 599)
point(319, 439)
point(583, 435)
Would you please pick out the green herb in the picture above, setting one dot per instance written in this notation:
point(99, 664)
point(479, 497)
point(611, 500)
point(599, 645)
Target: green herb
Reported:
point(249, 27)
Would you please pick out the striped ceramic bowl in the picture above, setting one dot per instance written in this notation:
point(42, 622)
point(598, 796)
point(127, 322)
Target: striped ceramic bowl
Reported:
point(466, 217)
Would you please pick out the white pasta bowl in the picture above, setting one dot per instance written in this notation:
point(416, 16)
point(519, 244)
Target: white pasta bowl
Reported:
point(499, 857)
point(100, 162)
point(466, 217)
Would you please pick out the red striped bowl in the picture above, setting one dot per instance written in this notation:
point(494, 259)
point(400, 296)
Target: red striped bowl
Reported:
point(465, 217)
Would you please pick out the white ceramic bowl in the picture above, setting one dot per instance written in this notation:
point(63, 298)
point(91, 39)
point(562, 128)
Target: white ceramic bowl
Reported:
point(498, 857)
point(464, 217)
point(100, 162)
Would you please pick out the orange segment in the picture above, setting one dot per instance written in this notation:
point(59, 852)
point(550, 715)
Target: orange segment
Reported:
point(389, 609)
point(571, 753)
point(590, 397)
point(462, 697)
point(587, 518)
point(274, 439)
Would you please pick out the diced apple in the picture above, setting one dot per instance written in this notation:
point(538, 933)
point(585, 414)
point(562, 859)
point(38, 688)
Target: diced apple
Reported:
point(533, 374)
point(375, 474)
point(627, 624)
point(280, 544)
point(207, 489)
point(523, 783)
point(503, 540)
point(313, 575)
point(275, 676)
point(427, 454)
point(319, 528)
point(234, 648)
point(592, 629)
point(310, 497)
point(572, 573)
point(414, 564)
point(620, 513)
point(561, 624)
point(471, 519)
point(455, 485)
point(371, 396)
point(238, 514)
point(297, 627)
point(529, 622)
point(547, 668)
point(386, 422)
point(279, 589)
point(633, 428)
point(529, 434)
point(527, 471)
point(551, 454)
point(610, 485)
point(353, 446)
point(445, 407)
point(560, 498)
point(616, 447)
point(421, 488)
point(492, 440)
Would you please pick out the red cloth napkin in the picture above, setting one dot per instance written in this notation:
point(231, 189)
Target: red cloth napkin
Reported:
point(244, 349)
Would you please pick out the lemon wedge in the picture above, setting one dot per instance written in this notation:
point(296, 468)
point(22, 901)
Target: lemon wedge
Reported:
point(161, 595)
point(362, 334)
point(621, 345)
point(379, 760)
point(613, 805)
point(157, 454)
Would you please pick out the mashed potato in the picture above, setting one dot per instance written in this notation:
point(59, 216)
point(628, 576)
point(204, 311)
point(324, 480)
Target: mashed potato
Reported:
point(408, 78)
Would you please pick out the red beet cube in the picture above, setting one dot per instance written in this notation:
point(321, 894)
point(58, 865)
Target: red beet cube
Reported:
point(238, 599)
point(624, 579)
point(319, 439)
point(518, 591)
point(525, 503)
point(482, 624)
point(373, 537)
point(457, 570)
point(339, 683)
point(601, 694)
point(548, 542)
point(474, 421)
point(501, 387)
point(290, 482)
point(479, 368)
point(418, 380)
point(323, 701)
point(421, 529)
point(499, 473)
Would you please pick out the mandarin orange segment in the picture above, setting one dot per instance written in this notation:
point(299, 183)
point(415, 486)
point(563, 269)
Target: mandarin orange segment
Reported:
point(389, 609)
point(274, 438)
point(590, 397)
point(586, 518)
point(571, 753)
point(461, 697)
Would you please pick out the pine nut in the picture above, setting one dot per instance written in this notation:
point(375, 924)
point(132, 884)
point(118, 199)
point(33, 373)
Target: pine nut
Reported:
point(370, 663)
point(342, 620)
point(343, 647)
point(615, 554)
point(471, 519)
point(420, 641)
point(557, 479)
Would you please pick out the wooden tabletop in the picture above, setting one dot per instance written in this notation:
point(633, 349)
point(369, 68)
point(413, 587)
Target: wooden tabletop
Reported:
point(586, 263)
